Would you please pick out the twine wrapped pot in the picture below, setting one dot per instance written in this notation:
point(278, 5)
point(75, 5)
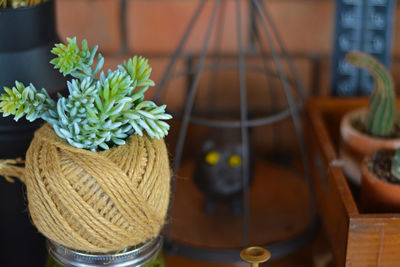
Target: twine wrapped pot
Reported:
point(97, 202)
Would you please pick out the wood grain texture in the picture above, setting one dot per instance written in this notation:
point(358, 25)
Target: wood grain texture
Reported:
point(357, 239)
point(374, 241)
point(330, 206)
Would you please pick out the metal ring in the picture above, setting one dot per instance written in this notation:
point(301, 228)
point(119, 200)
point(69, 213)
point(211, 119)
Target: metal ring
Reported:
point(135, 257)
point(278, 249)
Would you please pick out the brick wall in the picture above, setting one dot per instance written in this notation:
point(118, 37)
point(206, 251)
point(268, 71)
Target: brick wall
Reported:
point(153, 28)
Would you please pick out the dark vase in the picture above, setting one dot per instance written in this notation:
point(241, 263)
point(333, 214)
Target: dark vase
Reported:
point(26, 38)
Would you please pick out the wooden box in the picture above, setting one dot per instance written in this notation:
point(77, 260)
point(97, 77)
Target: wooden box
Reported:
point(357, 239)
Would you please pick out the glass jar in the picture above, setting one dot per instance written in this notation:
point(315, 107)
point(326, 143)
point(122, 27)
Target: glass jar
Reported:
point(147, 255)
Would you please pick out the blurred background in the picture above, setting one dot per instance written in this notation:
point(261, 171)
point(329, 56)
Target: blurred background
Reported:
point(153, 28)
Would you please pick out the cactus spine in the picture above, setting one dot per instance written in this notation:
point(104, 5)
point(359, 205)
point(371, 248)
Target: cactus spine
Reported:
point(382, 104)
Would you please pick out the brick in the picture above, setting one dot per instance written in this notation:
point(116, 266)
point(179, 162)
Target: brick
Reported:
point(98, 21)
point(157, 26)
point(305, 26)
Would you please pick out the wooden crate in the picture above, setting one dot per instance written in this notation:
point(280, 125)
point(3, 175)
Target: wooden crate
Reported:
point(357, 239)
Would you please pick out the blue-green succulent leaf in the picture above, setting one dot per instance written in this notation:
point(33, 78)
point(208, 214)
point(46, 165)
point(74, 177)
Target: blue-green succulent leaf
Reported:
point(101, 110)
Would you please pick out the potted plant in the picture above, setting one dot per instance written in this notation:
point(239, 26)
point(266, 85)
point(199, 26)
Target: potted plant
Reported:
point(367, 130)
point(97, 174)
point(380, 186)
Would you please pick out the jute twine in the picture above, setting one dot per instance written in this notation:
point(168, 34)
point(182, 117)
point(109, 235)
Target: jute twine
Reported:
point(96, 202)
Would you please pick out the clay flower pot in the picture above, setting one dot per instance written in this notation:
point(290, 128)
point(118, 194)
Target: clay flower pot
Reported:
point(356, 145)
point(378, 195)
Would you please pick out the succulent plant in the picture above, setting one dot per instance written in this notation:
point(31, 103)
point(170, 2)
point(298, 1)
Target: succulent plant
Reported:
point(102, 109)
point(382, 104)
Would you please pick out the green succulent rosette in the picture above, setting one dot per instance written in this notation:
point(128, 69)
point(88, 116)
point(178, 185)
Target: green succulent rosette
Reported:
point(101, 110)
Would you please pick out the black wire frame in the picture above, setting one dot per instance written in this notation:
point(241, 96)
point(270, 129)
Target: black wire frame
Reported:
point(259, 14)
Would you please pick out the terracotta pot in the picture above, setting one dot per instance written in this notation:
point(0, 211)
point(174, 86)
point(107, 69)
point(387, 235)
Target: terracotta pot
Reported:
point(354, 145)
point(378, 195)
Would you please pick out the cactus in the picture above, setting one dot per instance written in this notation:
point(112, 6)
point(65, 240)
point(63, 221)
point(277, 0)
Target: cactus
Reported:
point(382, 104)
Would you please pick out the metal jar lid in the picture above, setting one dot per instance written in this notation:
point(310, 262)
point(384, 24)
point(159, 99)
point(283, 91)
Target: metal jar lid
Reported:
point(135, 257)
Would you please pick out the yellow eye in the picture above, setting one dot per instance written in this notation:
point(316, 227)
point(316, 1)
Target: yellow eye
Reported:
point(212, 157)
point(235, 161)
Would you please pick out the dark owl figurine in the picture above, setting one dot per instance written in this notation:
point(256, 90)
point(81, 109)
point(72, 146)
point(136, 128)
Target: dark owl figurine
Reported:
point(218, 172)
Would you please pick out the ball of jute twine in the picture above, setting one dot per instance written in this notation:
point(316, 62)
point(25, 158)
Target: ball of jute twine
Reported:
point(95, 202)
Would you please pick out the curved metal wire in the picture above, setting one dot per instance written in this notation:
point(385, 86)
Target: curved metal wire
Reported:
point(189, 103)
point(289, 60)
point(243, 128)
point(213, 83)
point(278, 249)
point(192, 92)
point(284, 114)
point(244, 123)
point(291, 102)
point(227, 66)
point(178, 50)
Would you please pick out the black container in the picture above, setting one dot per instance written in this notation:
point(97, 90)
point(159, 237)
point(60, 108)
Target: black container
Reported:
point(26, 37)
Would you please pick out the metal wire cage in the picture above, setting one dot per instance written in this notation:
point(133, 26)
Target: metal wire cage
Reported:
point(266, 44)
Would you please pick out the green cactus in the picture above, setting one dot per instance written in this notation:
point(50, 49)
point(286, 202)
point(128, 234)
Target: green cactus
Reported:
point(101, 110)
point(382, 104)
